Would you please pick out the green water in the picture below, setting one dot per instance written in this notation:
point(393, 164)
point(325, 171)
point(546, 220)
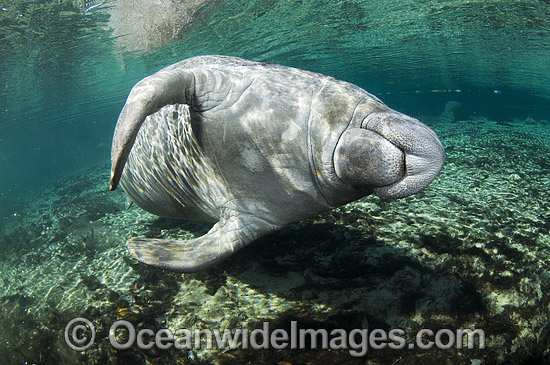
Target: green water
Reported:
point(66, 68)
point(64, 77)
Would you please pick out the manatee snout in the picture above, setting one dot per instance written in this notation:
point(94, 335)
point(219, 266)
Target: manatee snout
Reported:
point(392, 154)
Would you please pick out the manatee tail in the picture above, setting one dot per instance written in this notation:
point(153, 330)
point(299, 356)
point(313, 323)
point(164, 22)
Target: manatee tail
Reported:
point(200, 82)
point(168, 86)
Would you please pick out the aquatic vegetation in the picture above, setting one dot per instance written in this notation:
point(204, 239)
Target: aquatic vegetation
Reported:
point(469, 252)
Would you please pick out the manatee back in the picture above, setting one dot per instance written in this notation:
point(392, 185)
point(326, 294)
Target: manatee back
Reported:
point(259, 139)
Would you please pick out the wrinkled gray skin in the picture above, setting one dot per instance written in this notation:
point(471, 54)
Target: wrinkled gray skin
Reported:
point(254, 147)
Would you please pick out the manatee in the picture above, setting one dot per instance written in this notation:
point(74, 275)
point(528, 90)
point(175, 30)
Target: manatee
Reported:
point(253, 147)
point(449, 113)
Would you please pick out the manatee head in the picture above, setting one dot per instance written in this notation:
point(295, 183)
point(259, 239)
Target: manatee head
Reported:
point(389, 153)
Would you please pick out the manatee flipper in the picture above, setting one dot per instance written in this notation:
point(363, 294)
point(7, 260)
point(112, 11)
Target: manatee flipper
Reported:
point(224, 238)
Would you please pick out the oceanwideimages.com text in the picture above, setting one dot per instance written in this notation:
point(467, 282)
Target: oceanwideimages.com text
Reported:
point(80, 335)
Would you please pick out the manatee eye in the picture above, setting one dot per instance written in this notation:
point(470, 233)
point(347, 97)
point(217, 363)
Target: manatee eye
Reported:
point(363, 158)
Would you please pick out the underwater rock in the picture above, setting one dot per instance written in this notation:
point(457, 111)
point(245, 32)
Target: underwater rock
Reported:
point(451, 257)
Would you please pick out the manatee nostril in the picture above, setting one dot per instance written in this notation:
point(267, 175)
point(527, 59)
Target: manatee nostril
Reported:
point(364, 158)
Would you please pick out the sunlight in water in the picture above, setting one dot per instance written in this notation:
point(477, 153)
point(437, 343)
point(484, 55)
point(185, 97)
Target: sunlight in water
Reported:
point(471, 251)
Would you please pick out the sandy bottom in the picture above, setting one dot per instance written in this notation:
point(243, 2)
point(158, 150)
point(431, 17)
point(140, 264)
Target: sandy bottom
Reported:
point(470, 252)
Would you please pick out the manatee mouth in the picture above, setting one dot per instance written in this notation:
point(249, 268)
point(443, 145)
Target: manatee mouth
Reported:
point(412, 154)
point(366, 160)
